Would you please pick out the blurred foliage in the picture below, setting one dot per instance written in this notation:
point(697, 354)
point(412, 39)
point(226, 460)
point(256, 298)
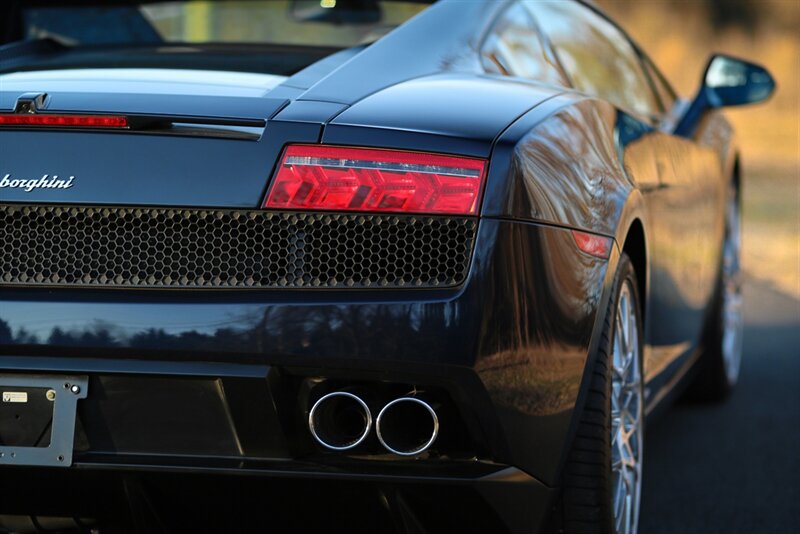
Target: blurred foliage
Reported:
point(680, 35)
point(725, 13)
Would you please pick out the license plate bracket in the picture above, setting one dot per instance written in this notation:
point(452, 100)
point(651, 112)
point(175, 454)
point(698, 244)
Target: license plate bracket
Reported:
point(66, 392)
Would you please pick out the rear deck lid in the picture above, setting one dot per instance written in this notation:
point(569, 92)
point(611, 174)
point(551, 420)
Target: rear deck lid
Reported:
point(192, 139)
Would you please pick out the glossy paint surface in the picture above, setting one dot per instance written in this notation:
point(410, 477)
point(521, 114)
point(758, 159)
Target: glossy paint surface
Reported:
point(142, 169)
point(472, 109)
point(566, 170)
point(144, 81)
point(83, 99)
point(445, 37)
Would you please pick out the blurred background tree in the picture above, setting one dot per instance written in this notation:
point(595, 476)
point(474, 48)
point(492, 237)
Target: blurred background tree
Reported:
point(680, 35)
point(727, 13)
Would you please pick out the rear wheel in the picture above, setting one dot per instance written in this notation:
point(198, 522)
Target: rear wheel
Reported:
point(603, 475)
point(722, 357)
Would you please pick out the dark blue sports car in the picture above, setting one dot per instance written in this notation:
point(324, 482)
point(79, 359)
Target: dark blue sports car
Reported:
point(344, 265)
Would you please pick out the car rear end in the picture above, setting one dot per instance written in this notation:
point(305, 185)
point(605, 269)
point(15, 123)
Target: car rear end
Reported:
point(201, 339)
point(213, 303)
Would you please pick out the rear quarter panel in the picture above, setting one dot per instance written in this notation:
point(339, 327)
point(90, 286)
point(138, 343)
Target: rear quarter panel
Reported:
point(580, 163)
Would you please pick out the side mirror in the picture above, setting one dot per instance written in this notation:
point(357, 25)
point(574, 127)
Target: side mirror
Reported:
point(729, 81)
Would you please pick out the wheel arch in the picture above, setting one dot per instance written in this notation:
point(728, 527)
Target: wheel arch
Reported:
point(635, 246)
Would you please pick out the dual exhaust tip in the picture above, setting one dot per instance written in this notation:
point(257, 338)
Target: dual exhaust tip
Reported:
point(341, 420)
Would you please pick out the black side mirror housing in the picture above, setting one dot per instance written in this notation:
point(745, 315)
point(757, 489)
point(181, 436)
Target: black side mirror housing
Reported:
point(727, 81)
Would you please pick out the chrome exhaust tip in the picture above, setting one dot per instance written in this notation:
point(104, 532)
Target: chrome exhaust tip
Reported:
point(340, 421)
point(407, 426)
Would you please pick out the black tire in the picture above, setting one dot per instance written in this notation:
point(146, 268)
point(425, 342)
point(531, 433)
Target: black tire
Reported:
point(710, 383)
point(586, 501)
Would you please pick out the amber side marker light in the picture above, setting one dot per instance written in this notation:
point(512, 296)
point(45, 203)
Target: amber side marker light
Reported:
point(375, 180)
point(64, 121)
point(595, 245)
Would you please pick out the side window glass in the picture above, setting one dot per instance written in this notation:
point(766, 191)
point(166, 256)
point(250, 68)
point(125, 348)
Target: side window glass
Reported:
point(665, 92)
point(514, 48)
point(596, 55)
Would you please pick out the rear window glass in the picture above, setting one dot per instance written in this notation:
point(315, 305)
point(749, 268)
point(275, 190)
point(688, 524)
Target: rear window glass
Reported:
point(331, 23)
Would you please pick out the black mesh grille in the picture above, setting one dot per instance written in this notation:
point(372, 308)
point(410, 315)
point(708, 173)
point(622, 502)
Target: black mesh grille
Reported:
point(179, 248)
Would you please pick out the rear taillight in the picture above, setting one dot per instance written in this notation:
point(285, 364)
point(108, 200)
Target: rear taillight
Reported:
point(595, 245)
point(360, 179)
point(64, 121)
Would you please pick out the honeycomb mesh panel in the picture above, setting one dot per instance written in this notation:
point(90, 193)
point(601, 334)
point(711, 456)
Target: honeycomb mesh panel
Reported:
point(189, 248)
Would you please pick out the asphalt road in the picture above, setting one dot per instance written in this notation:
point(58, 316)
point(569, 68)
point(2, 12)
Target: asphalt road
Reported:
point(734, 467)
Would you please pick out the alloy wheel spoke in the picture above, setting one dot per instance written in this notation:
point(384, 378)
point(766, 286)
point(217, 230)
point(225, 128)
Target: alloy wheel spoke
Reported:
point(626, 415)
point(621, 337)
point(732, 324)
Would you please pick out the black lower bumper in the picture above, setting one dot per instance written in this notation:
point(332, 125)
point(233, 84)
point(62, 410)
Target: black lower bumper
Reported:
point(128, 500)
point(189, 452)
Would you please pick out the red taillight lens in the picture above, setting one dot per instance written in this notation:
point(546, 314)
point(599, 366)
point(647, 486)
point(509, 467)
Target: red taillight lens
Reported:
point(595, 245)
point(360, 179)
point(64, 121)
